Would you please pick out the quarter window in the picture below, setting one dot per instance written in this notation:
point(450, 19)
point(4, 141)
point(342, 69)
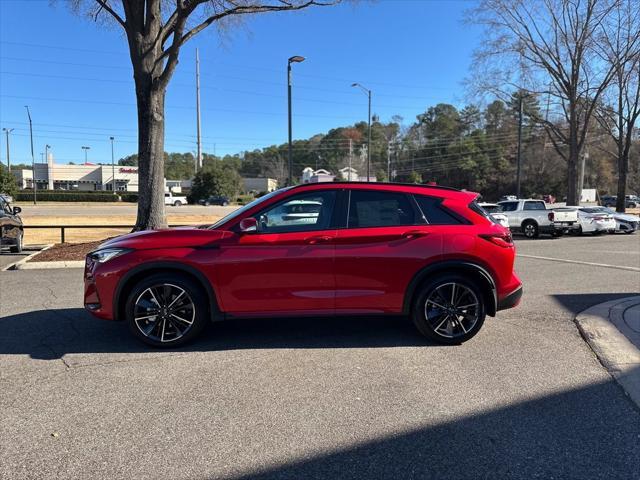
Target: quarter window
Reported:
point(300, 213)
point(434, 212)
point(380, 209)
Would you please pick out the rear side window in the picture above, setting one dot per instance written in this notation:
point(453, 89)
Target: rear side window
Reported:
point(368, 208)
point(435, 213)
point(509, 206)
point(534, 206)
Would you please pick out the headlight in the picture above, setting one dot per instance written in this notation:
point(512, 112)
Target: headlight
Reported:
point(106, 254)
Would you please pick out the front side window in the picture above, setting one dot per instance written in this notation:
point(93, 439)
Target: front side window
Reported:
point(380, 209)
point(299, 213)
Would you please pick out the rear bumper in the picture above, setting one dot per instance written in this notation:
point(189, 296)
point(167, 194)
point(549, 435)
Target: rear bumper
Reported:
point(511, 300)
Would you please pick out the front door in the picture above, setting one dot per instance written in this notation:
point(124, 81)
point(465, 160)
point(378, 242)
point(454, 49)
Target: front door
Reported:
point(287, 265)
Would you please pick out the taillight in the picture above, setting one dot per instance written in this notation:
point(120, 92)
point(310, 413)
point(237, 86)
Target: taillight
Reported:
point(551, 216)
point(503, 240)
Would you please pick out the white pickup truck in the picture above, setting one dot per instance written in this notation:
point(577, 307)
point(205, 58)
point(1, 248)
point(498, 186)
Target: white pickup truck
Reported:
point(531, 218)
point(175, 200)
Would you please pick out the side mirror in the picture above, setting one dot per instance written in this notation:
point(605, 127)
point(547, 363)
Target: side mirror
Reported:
point(248, 225)
point(16, 210)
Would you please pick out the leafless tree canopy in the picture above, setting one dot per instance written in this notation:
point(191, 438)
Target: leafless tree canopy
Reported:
point(155, 31)
point(554, 48)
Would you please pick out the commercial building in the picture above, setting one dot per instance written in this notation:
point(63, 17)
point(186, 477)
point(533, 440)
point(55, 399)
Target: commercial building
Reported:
point(259, 184)
point(52, 176)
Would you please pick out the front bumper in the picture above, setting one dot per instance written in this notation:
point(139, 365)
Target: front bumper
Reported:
point(511, 300)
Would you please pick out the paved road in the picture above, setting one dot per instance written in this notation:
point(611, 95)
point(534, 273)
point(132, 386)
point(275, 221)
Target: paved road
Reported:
point(7, 258)
point(329, 398)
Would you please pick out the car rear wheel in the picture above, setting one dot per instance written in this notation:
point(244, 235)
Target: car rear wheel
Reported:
point(166, 310)
point(450, 309)
point(530, 229)
point(17, 248)
point(177, 203)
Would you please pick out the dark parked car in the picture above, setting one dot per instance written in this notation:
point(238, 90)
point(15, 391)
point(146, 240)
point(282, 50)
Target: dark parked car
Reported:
point(11, 226)
point(367, 248)
point(215, 200)
point(610, 201)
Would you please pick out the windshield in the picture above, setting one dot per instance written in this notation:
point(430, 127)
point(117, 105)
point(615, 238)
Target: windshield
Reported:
point(239, 212)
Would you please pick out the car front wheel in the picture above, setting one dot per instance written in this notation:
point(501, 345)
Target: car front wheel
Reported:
point(17, 248)
point(449, 309)
point(166, 310)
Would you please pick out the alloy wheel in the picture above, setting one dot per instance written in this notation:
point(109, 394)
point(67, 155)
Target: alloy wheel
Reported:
point(164, 313)
point(529, 230)
point(452, 310)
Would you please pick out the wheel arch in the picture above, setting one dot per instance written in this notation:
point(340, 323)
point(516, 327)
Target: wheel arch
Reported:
point(463, 267)
point(127, 282)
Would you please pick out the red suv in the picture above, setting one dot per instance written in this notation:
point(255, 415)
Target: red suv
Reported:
point(315, 249)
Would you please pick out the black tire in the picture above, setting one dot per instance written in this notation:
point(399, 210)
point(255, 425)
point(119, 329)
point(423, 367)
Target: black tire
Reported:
point(579, 230)
point(177, 203)
point(224, 204)
point(429, 318)
point(530, 229)
point(628, 232)
point(165, 332)
point(557, 233)
point(17, 248)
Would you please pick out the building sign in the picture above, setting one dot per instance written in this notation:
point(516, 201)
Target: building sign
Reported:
point(128, 170)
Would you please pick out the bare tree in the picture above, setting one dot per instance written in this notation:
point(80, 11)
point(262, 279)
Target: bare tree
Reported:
point(156, 30)
point(547, 47)
point(620, 109)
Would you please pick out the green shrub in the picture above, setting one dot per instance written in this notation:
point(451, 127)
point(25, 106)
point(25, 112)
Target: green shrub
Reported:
point(129, 197)
point(64, 196)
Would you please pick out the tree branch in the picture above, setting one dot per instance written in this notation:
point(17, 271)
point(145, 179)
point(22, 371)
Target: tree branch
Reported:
point(104, 5)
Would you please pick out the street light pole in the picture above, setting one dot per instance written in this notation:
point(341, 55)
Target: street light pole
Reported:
point(86, 149)
point(33, 158)
point(368, 92)
point(294, 59)
point(113, 168)
point(7, 131)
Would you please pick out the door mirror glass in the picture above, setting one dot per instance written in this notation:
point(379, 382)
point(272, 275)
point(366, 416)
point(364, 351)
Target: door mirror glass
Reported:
point(248, 225)
point(16, 210)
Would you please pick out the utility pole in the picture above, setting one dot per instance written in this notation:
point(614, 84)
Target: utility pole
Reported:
point(350, 156)
point(389, 161)
point(33, 158)
point(519, 159)
point(113, 168)
point(199, 159)
point(7, 131)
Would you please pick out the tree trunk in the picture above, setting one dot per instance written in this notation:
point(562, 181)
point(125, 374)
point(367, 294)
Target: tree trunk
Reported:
point(151, 213)
point(573, 196)
point(623, 168)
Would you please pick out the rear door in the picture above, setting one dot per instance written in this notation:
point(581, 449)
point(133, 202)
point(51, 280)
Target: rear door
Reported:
point(384, 243)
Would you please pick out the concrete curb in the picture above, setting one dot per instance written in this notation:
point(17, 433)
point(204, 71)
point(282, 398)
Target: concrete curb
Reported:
point(16, 265)
point(603, 326)
point(48, 265)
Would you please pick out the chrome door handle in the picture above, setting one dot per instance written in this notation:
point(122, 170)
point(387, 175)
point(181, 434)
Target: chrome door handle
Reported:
point(414, 234)
point(318, 239)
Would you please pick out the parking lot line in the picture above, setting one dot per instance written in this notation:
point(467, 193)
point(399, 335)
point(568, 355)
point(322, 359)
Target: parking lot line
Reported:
point(592, 264)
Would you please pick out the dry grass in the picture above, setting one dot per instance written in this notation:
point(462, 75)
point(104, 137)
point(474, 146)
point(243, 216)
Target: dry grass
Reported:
point(42, 235)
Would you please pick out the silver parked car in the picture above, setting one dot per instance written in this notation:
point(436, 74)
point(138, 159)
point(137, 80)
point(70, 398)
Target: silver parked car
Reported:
point(625, 222)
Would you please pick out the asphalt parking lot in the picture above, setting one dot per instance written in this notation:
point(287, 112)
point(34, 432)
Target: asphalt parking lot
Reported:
point(322, 398)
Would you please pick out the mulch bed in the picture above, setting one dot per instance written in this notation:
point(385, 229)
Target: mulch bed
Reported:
point(66, 251)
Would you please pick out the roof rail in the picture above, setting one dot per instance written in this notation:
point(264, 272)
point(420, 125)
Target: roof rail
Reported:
point(440, 187)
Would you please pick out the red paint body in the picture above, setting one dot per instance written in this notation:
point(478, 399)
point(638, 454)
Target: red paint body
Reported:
point(337, 270)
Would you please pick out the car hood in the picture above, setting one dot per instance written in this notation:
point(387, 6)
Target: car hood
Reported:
point(182, 237)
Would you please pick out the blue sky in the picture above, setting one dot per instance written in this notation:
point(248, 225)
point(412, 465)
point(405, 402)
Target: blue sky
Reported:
point(76, 76)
